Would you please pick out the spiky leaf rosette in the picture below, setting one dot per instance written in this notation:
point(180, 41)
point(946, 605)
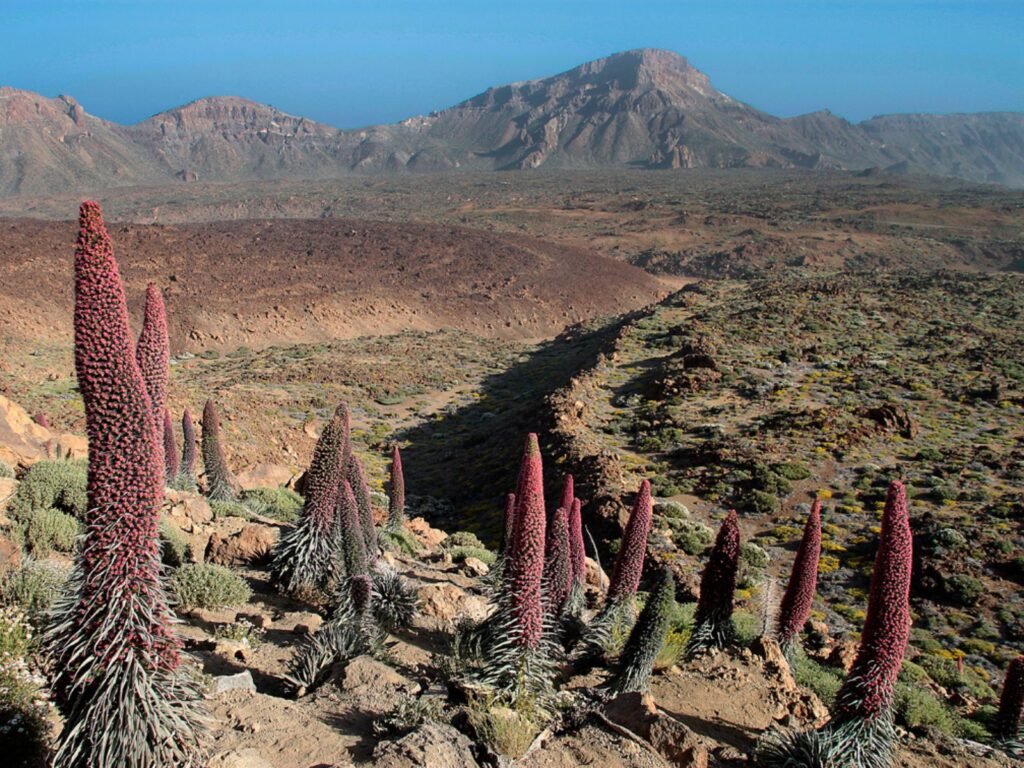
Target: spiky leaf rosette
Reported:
point(867, 691)
point(306, 555)
point(1011, 702)
point(171, 465)
point(648, 635)
point(395, 602)
point(396, 495)
point(221, 484)
point(712, 626)
point(357, 479)
point(629, 563)
point(557, 564)
point(153, 351)
point(115, 656)
point(795, 608)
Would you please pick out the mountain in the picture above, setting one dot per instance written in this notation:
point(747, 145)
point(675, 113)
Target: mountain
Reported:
point(644, 108)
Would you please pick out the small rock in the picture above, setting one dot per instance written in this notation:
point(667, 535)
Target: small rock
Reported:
point(434, 745)
point(240, 682)
point(474, 566)
point(635, 711)
point(596, 576)
point(429, 537)
point(251, 545)
point(260, 620)
point(843, 654)
point(308, 623)
point(266, 476)
point(238, 650)
point(445, 603)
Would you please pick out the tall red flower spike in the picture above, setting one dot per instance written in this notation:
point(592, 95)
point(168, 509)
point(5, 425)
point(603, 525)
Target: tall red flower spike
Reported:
point(867, 691)
point(509, 523)
point(396, 499)
point(171, 465)
point(568, 493)
point(357, 479)
point(629, 563)
point(350, 529)
point(1011, 702)
point(526, 566)
point(221, 484)
point(577, 552)
point(153, 352)
point(558, 562)
point(718, 582)
point(41, 420)
point(188, 444)
point(112, 648)
point(795, 608)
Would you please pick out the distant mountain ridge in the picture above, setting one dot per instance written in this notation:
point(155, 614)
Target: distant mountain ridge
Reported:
point(644, 108)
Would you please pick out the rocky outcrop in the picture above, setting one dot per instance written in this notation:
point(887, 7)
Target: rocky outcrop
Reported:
point(23, 441)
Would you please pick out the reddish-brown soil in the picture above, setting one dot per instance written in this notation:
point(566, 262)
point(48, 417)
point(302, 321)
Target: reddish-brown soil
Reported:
point(254, 283)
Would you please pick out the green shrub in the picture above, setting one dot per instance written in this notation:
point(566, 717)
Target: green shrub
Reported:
point(24, 730)
point(51, 485)
point(753, 560)
point(48, 530)
point(793, 470)
point(5, 470)
point(174, 547)
point(691, 536)
point(964, 589)
point(484, 555)
point(505, 731)
point(278, 503)
point(201, 585)
point(32, 587)
point(823, 681)
point(672, 510)
point(762, 502)
point(399, 541)
point(462, 539)
point(918, 708)
point(229, 509)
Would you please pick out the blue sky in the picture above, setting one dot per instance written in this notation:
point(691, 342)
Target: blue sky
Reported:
point(357, 62)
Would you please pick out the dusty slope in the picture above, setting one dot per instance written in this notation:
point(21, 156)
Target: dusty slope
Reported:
point(253, 283)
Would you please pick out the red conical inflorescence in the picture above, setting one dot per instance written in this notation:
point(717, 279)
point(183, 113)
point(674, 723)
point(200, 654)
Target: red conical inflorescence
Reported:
point(188, 444)
point(221, 484)
point(509, 523)
point(153, 351)
point(1011, 702)
point(868, 689)
point(629, 562)
point(577, 553)
point(357, 479)
point(526, 565)
point(171, 465)
point(557, 562)
point(324, 476)
point(396, 496)
point(713, 618)
point(353, 544)
point(112, 648)
point(795, 608)
point(568, 493)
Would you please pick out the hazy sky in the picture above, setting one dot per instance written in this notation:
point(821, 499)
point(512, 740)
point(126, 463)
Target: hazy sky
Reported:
point(357, 62)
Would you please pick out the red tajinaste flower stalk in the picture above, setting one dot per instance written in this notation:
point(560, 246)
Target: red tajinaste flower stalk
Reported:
point(153, 352)
point(305, 556)
point(509, 522)
point(351, 532)
point(629, 562)
point(188, 444)
point(41, 420)
point(568, 493)
point(577, 552)
point(357, 479)
point(113, 647)
point(867, 692)
point(1011, 702)
point(171, 465)
point(713, 618)
point(396, 499)
point(221, 484)
point(795, 608)
point(526, 565)
point(557, 563)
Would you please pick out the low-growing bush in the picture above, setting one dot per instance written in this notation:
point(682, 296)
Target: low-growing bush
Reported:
point(918, 708)
point(229, 509)
point(49, 530)
point(278, 503)
point(484, 555)
point(691, 536)
point(823, 681)
point(964, 589)
point(5, 470)
point(24, 730)
point(201, 585)
point(462, 539)
point(32, 587)
point(174, 547)
point(56, 485)
point(506, 731)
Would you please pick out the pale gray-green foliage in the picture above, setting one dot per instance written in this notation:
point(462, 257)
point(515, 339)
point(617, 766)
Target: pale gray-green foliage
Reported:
point(202, 585)
point(33, 586)
point(57, 485)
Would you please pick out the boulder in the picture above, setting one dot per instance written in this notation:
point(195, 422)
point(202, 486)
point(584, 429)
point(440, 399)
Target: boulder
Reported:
point(267, 475)
point(432, 744)
point(248, 546)
point(441, 605)
point(187, 510)
point(22, 441)
point(672, 739)
point(474, 566)
point(427, 536)
point(240, 682)
point(374, 686)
